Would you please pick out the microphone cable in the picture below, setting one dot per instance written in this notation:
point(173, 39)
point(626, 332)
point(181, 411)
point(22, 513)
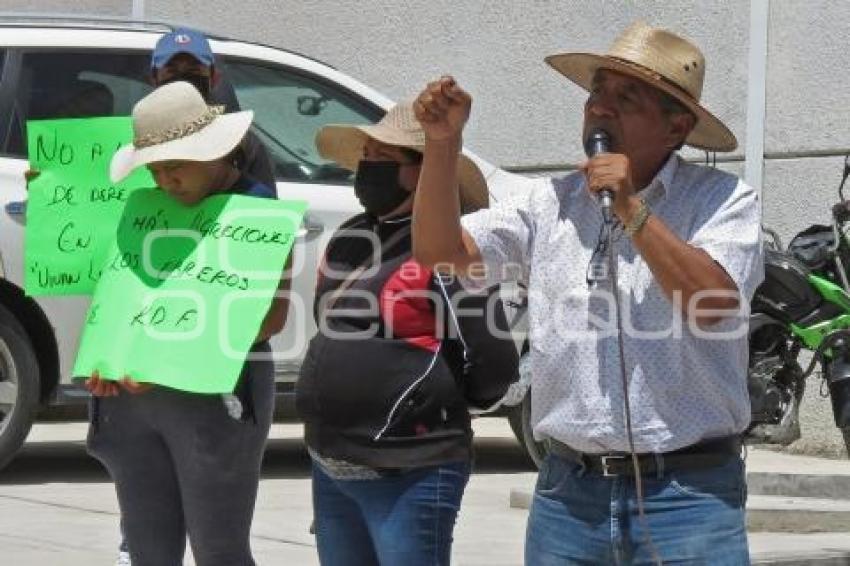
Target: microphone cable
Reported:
point(606, 247)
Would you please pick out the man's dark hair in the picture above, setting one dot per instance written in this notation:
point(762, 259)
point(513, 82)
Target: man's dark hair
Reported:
point(670, 106)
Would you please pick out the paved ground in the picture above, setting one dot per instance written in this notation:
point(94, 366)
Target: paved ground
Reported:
point(57, 507)
point(819, 437)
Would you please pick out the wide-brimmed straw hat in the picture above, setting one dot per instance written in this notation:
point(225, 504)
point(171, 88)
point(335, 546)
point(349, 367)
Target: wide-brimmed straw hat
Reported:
point(343, 143)
point(175, 123)
point(663, 60)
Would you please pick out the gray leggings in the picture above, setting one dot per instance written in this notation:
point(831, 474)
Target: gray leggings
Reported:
point(181, 465)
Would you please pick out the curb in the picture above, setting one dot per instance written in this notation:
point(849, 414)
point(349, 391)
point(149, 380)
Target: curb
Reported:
point(820, 486)
point(819, 559)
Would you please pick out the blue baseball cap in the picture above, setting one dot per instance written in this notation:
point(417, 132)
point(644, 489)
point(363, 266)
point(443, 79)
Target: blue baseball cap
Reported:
point(182, 40)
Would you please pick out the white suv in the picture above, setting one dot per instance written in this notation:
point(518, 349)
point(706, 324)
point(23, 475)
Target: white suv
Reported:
point(103, 67)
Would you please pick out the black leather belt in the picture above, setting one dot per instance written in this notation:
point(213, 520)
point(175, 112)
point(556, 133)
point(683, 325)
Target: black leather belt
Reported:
point(706, 454)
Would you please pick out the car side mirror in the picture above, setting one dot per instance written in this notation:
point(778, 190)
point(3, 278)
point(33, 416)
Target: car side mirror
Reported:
point(331, 173)
point(309, 105)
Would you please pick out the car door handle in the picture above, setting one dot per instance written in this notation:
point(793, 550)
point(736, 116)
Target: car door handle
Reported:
point(17, 209)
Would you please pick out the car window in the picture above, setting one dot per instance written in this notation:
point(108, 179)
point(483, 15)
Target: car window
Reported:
point(70, 84)
point(289, 108)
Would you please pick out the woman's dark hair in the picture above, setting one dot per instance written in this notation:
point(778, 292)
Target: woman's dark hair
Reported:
point(236, 157)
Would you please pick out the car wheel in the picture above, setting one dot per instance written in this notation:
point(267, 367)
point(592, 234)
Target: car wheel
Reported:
point(19, 386)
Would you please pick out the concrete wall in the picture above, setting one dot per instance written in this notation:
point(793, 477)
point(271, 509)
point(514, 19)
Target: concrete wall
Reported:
point(528, 117)
point(525, 113)
point(120, 8)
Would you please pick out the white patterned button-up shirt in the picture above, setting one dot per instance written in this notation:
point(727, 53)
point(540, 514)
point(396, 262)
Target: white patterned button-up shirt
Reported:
point(686, 385)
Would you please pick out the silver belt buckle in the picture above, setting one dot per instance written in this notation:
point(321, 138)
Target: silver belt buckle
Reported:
point(604, 459)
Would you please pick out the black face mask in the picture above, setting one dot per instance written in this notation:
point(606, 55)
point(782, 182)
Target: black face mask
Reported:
point(377, 187)
point(200, 82)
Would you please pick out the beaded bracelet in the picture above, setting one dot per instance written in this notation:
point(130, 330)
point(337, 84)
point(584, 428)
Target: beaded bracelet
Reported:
point(638, 220)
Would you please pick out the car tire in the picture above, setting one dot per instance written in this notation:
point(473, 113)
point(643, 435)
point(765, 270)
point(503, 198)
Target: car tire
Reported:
point(19, 386)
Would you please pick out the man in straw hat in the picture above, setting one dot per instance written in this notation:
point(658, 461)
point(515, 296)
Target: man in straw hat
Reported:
point(186, 462)
point(688, 259)
point(387, 382)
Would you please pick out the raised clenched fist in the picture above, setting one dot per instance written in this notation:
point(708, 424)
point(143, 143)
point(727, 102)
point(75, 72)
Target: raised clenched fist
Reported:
point(443, 109)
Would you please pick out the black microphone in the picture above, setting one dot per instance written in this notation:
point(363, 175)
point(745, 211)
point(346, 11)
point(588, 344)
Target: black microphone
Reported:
point(598, 141)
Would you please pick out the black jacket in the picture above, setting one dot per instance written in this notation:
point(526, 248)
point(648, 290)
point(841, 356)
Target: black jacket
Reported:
point(398, 395)
point(253, 160)
point(253, 157)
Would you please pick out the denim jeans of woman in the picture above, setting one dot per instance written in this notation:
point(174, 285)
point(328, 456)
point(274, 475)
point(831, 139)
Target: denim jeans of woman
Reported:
point(401, 519)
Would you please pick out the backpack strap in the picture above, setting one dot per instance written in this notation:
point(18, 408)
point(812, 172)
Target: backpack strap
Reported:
point(327, 305)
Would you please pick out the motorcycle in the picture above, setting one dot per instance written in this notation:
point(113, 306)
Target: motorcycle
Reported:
point(802, 306)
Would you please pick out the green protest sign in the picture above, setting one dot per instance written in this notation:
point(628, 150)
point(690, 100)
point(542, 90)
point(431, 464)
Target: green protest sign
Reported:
point(185, 289)
point(72, 207)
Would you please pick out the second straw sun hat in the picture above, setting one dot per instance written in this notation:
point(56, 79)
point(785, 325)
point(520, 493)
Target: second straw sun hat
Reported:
point(343, 143)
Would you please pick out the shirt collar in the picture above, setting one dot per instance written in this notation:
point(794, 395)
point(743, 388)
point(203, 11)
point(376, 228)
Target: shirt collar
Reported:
point(665, 176)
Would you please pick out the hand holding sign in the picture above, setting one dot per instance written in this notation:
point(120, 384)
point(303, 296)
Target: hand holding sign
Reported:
point(185, 289)
point(106, 388)
point(72, 208)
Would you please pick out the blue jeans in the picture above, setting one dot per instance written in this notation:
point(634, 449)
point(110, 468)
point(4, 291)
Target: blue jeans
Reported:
point(694, 517)
point(405, 519)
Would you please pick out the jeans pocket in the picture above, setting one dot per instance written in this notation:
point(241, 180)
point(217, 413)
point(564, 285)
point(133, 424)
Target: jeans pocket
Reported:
point(100, 414)
point(94, 414)
point(543, 474)
point(94, 424)
point(555, 477)
point(726, 482)
point(102, 425)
